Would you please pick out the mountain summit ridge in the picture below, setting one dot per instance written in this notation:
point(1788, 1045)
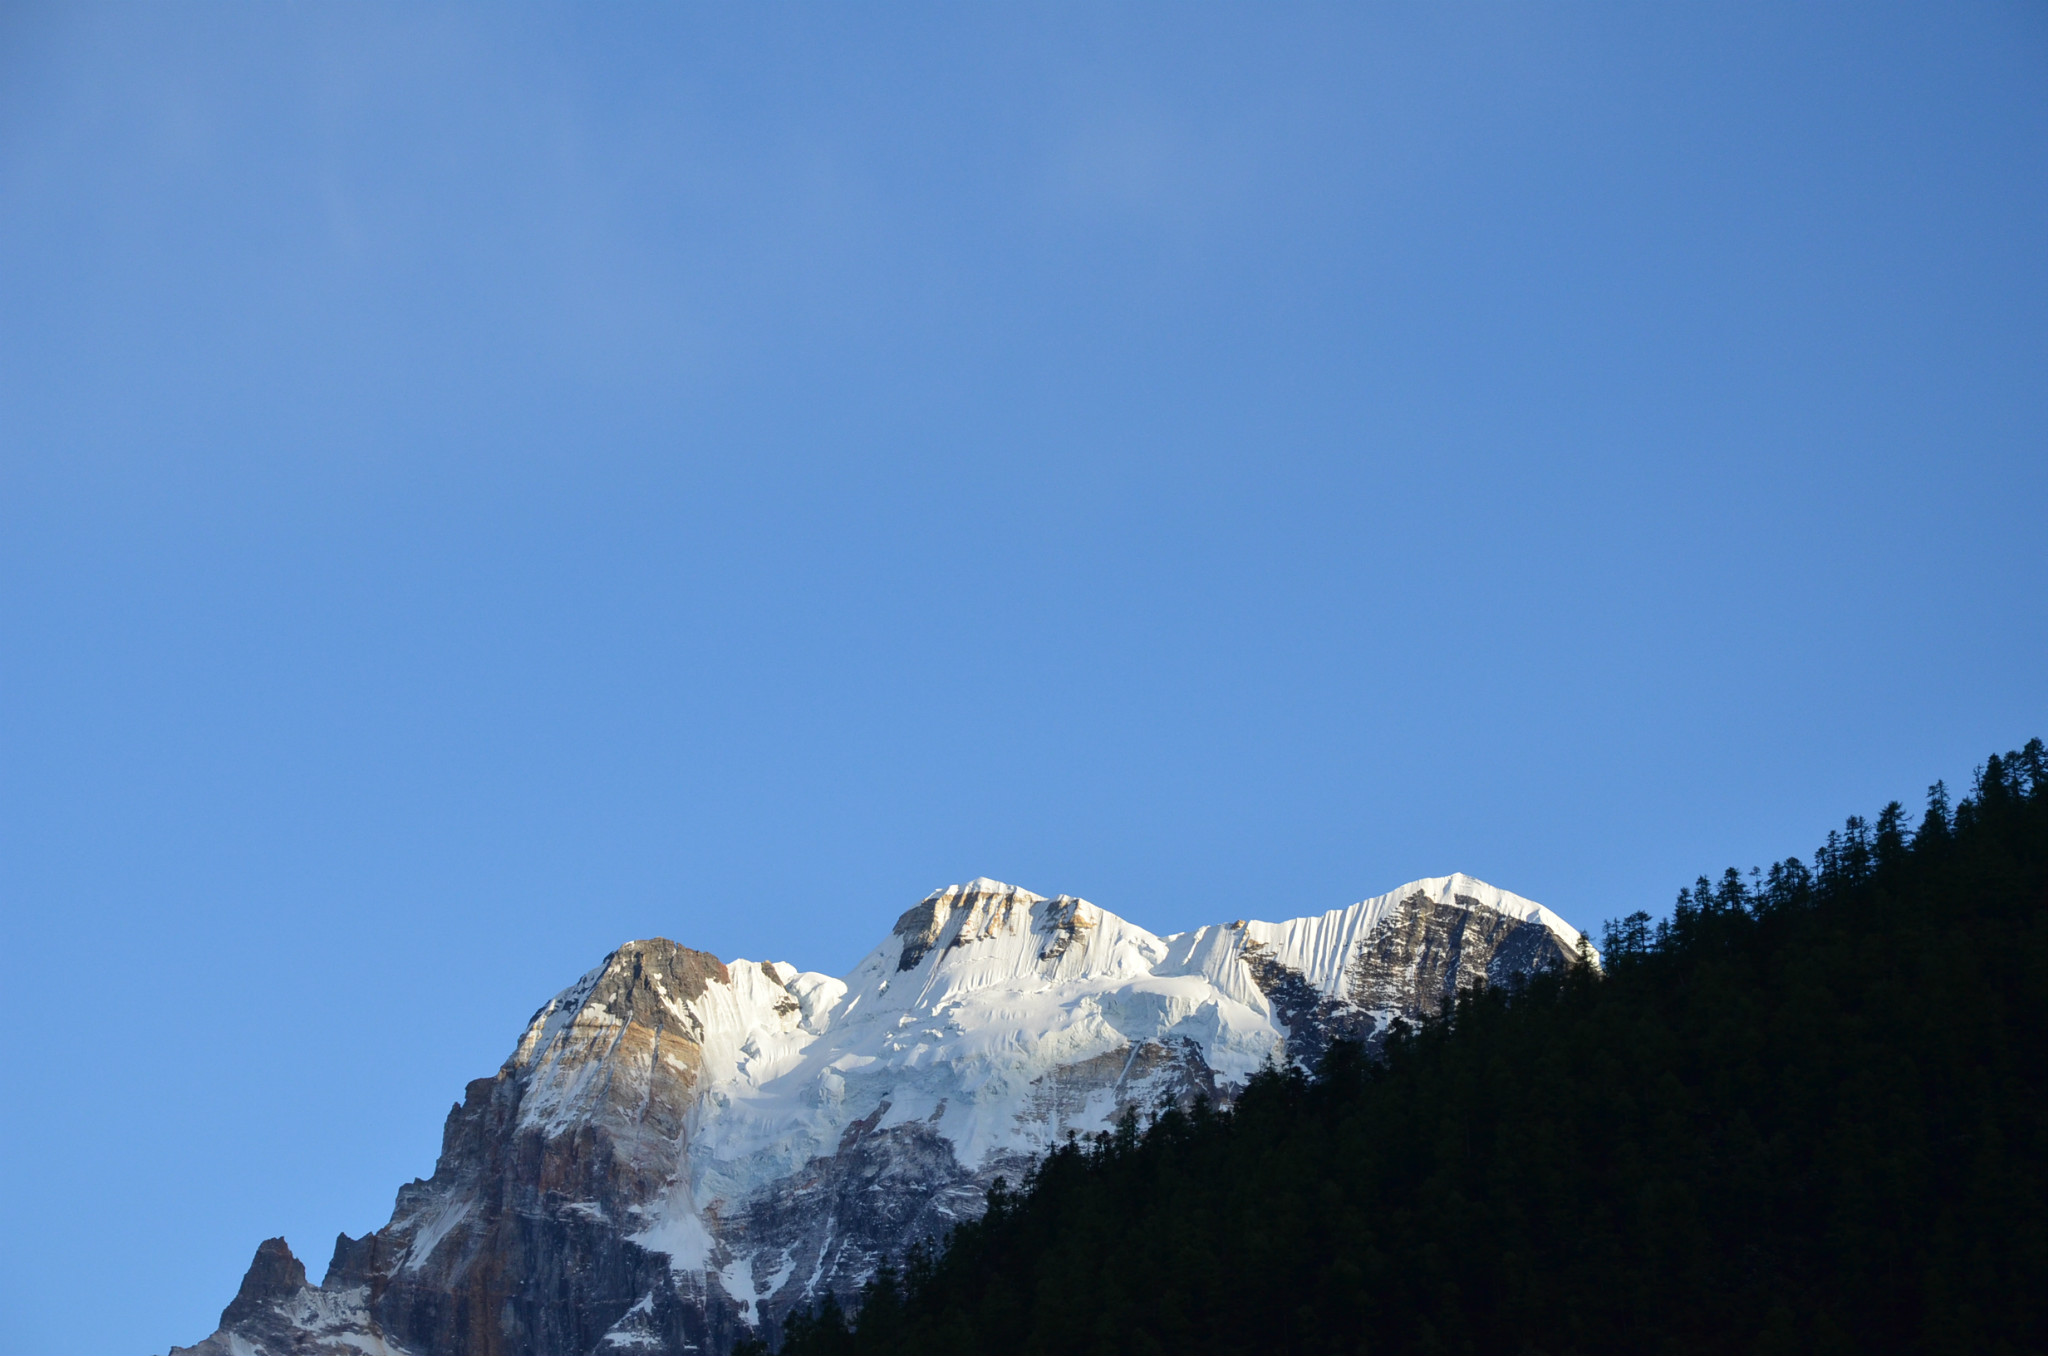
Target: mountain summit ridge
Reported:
point(681, 1149)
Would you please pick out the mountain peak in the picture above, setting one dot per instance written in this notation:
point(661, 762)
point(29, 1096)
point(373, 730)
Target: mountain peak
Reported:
point(763, 1136)
point(991, 904)
point(274, 1274)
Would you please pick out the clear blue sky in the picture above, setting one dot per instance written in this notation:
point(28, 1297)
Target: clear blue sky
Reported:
point(479, 485)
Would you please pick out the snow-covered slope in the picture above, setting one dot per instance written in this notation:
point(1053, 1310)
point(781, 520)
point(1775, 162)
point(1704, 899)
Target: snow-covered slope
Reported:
point(679, 1150)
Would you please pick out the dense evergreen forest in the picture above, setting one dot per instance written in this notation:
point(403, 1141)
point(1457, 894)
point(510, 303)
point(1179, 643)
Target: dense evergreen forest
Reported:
point(1804, 1114)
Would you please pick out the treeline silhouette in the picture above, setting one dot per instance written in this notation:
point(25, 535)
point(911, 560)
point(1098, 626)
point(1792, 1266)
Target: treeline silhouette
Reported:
point(1805, 1113)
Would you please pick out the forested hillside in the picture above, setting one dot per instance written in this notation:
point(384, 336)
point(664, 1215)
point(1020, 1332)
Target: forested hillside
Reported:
point(1805, 1114)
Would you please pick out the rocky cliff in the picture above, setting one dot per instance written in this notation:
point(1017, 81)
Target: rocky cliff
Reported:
point(679, 1150)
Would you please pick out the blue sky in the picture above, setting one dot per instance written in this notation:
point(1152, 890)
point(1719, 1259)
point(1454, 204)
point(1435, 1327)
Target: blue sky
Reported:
point(477, 486)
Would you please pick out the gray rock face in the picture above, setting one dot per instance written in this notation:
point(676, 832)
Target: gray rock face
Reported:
point(274, 1275)
point(1427, 950)
point(1423, 953)
point(679, 1152)
point(514, 1245)
point(277, 1313)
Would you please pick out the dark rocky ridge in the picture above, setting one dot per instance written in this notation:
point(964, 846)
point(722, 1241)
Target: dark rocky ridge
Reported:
point(1417, 958)
point(276, 1313)
point(1426, 951)
point(274, 1275)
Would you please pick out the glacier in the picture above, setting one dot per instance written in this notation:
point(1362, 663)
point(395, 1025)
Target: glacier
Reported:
point(680, 1150)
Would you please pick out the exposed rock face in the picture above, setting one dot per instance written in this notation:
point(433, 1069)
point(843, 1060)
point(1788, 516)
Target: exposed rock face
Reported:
point(1309, 1018)
point(274, 1275)
point(277, 1313)
point(515, 1244)
point(1426, 950)
point(679, 1151)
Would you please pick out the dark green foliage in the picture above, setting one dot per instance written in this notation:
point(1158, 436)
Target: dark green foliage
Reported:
point(1804, 1114)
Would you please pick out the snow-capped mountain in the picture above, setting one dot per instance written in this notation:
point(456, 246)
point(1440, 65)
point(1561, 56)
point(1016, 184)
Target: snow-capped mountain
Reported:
point(679, 1150)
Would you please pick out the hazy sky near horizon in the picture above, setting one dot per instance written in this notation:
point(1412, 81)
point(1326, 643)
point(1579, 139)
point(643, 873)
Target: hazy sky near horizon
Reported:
point(481, 484)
